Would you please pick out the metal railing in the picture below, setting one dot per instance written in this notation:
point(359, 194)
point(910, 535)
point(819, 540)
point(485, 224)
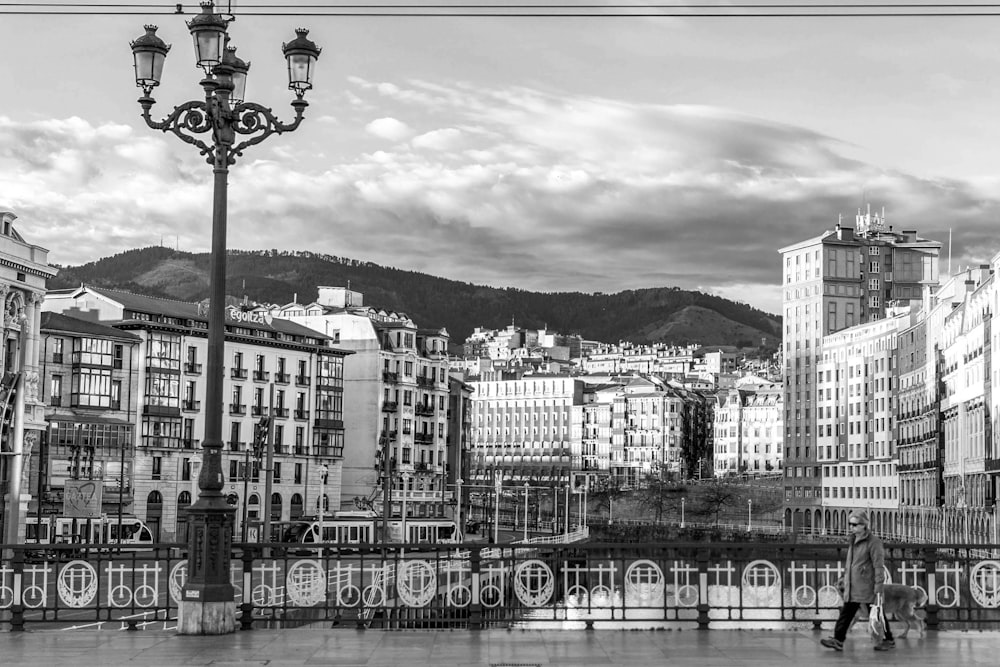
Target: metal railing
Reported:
point(544, 583)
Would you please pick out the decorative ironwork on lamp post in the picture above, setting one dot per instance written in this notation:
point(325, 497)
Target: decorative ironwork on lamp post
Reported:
point(235, 125)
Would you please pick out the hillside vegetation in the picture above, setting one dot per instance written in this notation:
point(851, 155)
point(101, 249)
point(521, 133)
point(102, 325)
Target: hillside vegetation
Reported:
point(659, 314)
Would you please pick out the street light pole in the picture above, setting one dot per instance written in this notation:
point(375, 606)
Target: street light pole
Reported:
point(749, 513)
point(207, 605)
point(525, 511)
point(682, 512)
point(496, 508)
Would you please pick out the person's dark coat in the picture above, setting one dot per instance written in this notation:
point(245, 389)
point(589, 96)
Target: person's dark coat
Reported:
point(864, 567)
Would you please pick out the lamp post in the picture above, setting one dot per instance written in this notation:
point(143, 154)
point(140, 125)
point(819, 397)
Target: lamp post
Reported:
point(525, 511)
point(682, 512)
point(498, 482)
point(749, 513)
point(459, 528)
point(207, 605)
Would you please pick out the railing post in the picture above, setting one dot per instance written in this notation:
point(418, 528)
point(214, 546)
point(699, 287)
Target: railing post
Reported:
point(930, 567)
point(476, 607)
point(703, 606)
point(246, 607)
point(17, 608)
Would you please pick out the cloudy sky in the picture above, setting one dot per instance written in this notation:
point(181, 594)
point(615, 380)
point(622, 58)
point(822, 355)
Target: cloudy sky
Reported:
point(549, 154)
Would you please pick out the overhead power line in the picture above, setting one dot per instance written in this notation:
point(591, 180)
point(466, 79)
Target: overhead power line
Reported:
point(689, 10)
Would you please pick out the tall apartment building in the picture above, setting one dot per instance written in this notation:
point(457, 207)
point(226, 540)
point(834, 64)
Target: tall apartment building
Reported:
point(398, 401)
point(749, 428)
point(272, 367)
point(921, 487)
point(526, 430)
point(24, 270)
point(856, 432)
point(966, 369)
point(90, 374)
point(833, 281)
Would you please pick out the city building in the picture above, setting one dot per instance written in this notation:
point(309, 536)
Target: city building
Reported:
point(396, 412)
point(856, 432)
point(526, 430)
point(749, 428)
point(831, 282)
point(273, 368)
point(90, 390)
point(24, 271)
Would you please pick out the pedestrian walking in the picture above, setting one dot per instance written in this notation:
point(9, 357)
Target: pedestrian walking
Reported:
point(863, 582)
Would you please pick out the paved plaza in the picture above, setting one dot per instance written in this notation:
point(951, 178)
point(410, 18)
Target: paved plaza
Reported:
point(489, 648)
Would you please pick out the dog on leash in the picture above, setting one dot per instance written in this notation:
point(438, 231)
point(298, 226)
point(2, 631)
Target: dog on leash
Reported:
point(903, 602)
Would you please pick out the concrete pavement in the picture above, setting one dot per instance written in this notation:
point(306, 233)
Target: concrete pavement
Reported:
point(487, 648)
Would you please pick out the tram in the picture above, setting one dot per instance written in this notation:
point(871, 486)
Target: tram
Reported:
point(129, 530)
point(355, 528)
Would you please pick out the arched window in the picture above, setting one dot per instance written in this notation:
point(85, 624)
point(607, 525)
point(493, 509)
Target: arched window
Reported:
point(295, 509)
point(184, 498)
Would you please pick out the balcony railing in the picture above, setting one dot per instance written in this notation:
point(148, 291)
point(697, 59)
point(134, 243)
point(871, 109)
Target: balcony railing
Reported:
point(238, 374)
point(261, 376)
point(303, 380)
point(281, 412)
point(257, 410)
point(237, 408)
point(668, 585)
point(192, 368)
point(301, 414)
point(388, 376)
point(424, 410)
point(282, 378)
point(390, 406)
point(190, 405)
point(190, 443)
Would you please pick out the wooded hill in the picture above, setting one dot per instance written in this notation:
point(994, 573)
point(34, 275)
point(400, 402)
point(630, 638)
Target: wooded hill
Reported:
point(659, 314)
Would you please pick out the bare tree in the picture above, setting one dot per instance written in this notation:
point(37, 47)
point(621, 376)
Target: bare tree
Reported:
point(659, 497)
point(715, 499)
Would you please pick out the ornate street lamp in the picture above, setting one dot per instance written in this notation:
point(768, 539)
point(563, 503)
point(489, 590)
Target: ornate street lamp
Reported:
point(208, 605)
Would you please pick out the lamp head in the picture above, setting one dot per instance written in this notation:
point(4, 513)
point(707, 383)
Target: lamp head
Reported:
point(208, 31)
point(301, 54)
point(238, 73)
point(149, 52)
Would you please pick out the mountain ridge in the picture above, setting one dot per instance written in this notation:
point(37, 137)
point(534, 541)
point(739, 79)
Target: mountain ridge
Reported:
point(648, 315)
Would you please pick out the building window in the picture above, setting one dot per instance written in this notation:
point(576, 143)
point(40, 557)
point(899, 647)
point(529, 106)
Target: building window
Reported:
point(298, 473)
point(186, 470)
point(55, 390)
point(57, 350)
point(163, 351)
point(118, 357)
point(157, 467)
point(91, 388)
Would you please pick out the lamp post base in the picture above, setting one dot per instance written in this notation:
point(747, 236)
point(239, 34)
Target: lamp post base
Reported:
point(206, 618)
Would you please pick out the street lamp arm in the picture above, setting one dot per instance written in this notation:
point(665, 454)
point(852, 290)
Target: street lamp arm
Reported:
point(189, 118)
point(250, 118)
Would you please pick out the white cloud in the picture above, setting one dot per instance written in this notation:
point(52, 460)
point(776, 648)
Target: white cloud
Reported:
point(389, 128)
point(515, 187)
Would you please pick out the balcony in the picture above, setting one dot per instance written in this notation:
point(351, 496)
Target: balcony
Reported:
point(261, 376)
point(425, 381)
point(301, 414)
point(424, 438)
point(329, 451)
point(258, 410)
point(190, 443)
point(281, 412)
point(237, 408)
point(303, 380)
point(282, 378)
point(425, 410)
point(390, 377)
point(238, 374)
point(190, 405)
point(390, 406)
point(192, 368)
point(235, 446)
point(388, 435)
